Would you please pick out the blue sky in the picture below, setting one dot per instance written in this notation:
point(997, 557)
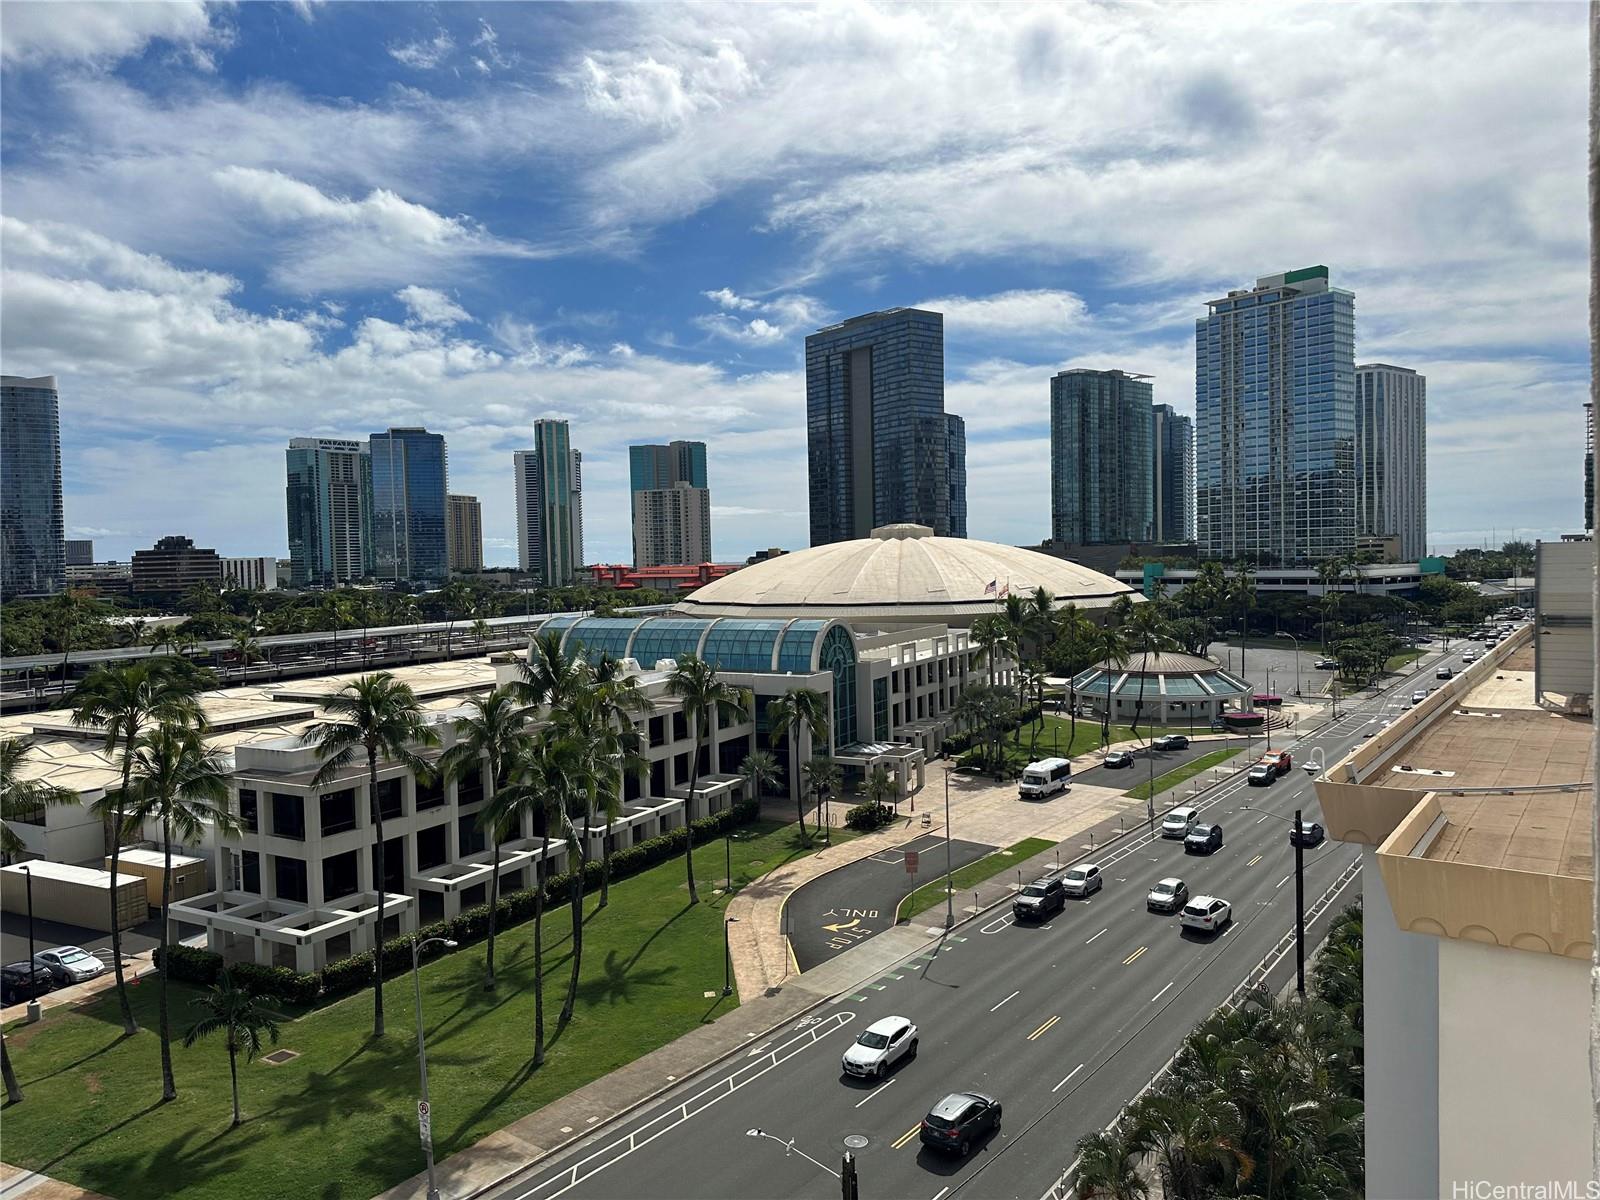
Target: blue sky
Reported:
point(227, 225)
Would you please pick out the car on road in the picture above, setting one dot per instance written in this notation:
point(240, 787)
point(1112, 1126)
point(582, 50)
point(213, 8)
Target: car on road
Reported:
point(1262, 775)
point(1039, 899)
point(1203, 839)
point(880, 1046)
point(1418, 696)
point(1205, 913)
point(1444, 673)
point(1118, 758)
point(1279, 760)
point(1327, 664)
point(1167, 896)
point(1471, 656)
point(960, 1119)
point(20, 982)
point(1171, 741)
point(69, 964)
point(1307, 834)
point(1178, 821)
point(1083, 880)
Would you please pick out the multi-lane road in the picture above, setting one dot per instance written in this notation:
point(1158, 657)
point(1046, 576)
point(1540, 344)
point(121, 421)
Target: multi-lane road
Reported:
point(1064, 1022)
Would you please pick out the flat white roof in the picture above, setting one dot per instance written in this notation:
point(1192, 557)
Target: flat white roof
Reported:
point(84, 876)
point(155, 858)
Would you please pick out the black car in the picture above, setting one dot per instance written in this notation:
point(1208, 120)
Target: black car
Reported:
point(958, 1120)
point(1118, 758)
point(1171, 741)
point(1308, 834)
point(1203, 839)
point(1261, 775)
point(1039, 899)
point(20, 982)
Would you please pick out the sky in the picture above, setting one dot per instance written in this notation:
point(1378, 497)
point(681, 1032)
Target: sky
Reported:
point(223, 226)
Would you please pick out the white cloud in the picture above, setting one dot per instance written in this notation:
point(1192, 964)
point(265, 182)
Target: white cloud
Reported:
point(424, 54)
point(782, 317)
point(642, 90)
point(36, 31)
point(1026, 313)
point(726, 297)
point(431, 307)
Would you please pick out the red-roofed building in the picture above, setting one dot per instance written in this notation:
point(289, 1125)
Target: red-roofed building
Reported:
point(670, 578)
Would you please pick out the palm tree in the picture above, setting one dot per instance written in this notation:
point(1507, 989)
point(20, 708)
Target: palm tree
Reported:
point(705, 698)
point(486, 739)
point(761, 771)
point(456, 600)
point(21, 798)
point(247, 650)
point(787, 715)
point(1108, 645)
point(1192, 1137)
point(183, 784)
point(1147, 632)
point(549, 675)
point(135, 631)
point(1241, 591)
point(1074, 633)
point(1107, 1167)
point(124, 701)
point(234, 1013)
point(588, 780)
point(880, 787)
point(68, 611)
point(822, 780)
point(991, 635)
point(379, 716)
point(339, 613)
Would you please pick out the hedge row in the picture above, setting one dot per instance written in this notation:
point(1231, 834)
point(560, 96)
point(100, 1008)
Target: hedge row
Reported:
point(472, 925)
point(867, 817)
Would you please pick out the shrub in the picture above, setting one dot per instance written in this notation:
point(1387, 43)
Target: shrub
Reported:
point(192, 965)
point(866, 817)
point(283, 982)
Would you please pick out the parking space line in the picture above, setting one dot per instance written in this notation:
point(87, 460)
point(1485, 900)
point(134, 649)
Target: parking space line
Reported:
point(881, 1087)
point(1134, 955)
point(1042, 1030)
point(1009, 998)
point(1063, 1083)
point(900, 1142)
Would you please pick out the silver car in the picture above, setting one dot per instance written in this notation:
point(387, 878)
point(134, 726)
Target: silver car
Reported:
point(1082, 880)
point(70, 964)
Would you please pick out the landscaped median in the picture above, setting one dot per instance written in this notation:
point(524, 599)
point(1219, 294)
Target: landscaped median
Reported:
point(338, 1120)
point(929, 894)
point(1188, 771)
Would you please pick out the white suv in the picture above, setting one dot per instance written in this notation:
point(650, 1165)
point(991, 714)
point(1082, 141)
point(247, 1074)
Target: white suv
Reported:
point(1205, 913)
point(1082, 880)
point(880, 1046)
point(1178, 822)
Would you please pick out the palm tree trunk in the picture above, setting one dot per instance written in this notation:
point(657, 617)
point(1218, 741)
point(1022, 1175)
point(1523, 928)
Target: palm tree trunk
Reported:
point(169, 1087)
point(129, 1025)
point(576, 895)
point(233, 1074)
point(538, 950)
point(688, 824)
point(377, 932)
point(794, 775)
point(13, 1088)
point(1072, 715)
point(494, 908)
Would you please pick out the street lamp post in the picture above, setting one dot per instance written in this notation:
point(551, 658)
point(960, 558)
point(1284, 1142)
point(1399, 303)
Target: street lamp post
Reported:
point(425, 1109)
point(727, 956)
point(1296, 642)
point(33, 967)
point(1299, 896)
point(790, 1148)
point(949, 881)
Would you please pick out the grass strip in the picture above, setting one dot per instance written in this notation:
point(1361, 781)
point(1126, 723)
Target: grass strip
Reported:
point(929, 894)
point(1176, 776)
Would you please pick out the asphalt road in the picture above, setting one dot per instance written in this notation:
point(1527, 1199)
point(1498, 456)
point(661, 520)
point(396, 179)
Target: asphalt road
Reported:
point(1063, 1021)
point(1127, 778)
point(845, 907)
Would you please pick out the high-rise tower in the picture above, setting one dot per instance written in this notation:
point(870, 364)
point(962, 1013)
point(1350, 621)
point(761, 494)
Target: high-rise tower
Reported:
point(328, 498)
point(1101, 462)
point(671, 504)
point(33, 553)
point(1392, 456)
point(409, 486)
point(549, 484)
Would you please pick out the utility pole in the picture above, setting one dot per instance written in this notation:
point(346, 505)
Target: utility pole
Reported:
point(849, 1184)
point(1299, 907)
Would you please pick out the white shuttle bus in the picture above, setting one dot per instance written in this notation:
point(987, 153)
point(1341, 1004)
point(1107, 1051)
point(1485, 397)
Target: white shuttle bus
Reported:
point(1045, 778)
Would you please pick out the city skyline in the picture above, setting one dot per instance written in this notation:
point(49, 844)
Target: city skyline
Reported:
point(281, 272)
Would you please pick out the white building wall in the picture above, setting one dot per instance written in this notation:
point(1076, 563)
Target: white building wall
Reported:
point(257, 574)
point(1392, 456)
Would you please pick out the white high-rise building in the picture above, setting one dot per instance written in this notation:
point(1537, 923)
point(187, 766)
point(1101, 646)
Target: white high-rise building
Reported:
point(1392, 456)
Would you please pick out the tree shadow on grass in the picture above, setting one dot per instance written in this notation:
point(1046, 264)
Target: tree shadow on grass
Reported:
point(503, 1093)
point(93, 1138)
point(29, 1080)
point(618, 979)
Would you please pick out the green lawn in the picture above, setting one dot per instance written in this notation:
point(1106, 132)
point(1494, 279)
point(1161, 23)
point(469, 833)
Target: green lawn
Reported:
point(340, 1120)
point(1405, 658)
point(929, 894)
point(1174, 777)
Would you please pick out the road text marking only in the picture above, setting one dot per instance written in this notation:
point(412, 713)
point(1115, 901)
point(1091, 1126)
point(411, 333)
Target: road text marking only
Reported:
point(1064, 1082)
point(1134, 955)
point(1043, 1029)
point(1013, 996)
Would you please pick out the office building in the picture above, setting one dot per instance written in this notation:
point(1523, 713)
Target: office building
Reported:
point(1275, 423)
point(174, 565)
point(955, 437)
point(1172, 505)
point(257, 574)
point(671, 504)
point(1101, 462)
point(1588, 466)
point(465, 534)
point(329, 505)
point(1392, 456)
point(549, 484)
point(80, 552)
point(410, 478)
point(32, 530)
point(876, 436)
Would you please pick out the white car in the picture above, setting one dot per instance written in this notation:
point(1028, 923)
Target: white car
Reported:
point(1083, 879)
point(1419, 696)
point(1471, 656)
point(1178, 822)
point(1205, 913)
point(69, 964)
point(880, 1046)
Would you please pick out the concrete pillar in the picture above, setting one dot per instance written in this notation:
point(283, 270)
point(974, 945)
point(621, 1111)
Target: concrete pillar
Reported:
point(305, 957)
point(216, 940)
point(452, 904)
point(263, 951)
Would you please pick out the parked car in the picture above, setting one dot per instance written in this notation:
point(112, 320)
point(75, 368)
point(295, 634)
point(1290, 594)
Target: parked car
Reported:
point(1178, 821)
point(19, 982)
point(1118, 758)
point(1307, 834)
point(1083, 880)
point(1418, 696)
point(1327, 664)
point(960, 1119)
point(1205, 913)
point(1203, 839)
point(880, 1046)
point(1279, 760)
point(1039, 899)
point(1261, 775)
point(1168, 895)
point(69, 964)
point(1171, 741)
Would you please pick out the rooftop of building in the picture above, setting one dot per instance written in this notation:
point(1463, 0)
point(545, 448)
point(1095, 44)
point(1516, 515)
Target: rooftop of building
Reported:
point(876, 316)
point(1544, 832)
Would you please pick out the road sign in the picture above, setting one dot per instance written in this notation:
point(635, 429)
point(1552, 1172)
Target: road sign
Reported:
point(911, 862)
point(425, 1123)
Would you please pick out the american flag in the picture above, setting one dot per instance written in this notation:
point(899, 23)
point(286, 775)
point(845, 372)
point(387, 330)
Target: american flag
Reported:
point(989, 591)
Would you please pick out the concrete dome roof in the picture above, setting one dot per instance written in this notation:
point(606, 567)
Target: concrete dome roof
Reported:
point(1162, 663)
point(901, 575)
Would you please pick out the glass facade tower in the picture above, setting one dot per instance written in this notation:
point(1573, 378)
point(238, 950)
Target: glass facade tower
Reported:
point(328, 498)
point(1101, 461)
point(1275, 405)
point(955, 434)
point(34, 559)
point(1392, 456)
point(1173, 503)
point(409, 487)
point(549, 483)
point(876, 437)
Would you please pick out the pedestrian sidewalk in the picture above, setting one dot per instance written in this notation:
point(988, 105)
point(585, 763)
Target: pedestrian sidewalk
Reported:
point(16, 1183)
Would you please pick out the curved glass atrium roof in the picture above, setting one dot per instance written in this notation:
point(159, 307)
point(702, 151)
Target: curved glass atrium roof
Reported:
point(727, 643)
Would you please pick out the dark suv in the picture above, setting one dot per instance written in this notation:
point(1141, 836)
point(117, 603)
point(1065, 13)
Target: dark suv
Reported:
point(1039, 899)
point(20, 982)
point(1171, 741)
point(958, 1120)
point(1203, 839)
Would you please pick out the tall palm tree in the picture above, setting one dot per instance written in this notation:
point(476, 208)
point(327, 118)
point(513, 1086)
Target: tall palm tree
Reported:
point(1241, 593)
point(134, 631)
point(822, 780)
point(247, 649)
point(125, 700)
point(69, 610)
point(1147, 632)
point(588, 780)
point(376, 716)
point(338, 610)
point(456, 600)
point(991, 635)
point(787, 715)
point(761, 771)
point(1074, 631)
point(488, 737)
point(616, 700)
point(705, 698)
point(182, 784)
point(549, 676)
point(20, 798)
point(1108, 645)
point(1193, 1137)
point(1108, 1167)
point(234, 1013)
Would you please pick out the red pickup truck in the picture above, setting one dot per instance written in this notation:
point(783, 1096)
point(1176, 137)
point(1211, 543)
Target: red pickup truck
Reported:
point(1278, 760)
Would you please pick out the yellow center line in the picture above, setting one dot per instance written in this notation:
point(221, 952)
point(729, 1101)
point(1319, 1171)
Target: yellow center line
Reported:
point(1134, 955)
point(1254, 861)
point(1043, 1028)
point(905, 1137)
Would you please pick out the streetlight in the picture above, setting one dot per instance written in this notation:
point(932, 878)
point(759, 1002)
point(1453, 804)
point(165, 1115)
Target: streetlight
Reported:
point(425, 1108)
point(33, 967)
point(1296, 642)
point(789, 1148)
point(949, 874)
point(727, 956)
point(1299, 895)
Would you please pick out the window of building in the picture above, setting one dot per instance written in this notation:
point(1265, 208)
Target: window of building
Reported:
point(680, 726)
point(658, 777)
point(289, 816)
point(469, 789)
point(389, 801)
point(658, 732)
point(394, 864)
point(431, 793)
point(289, 878)
point(338, 812)
point(250, 872)
point(470, 834)
point(339, 873)
point(680, 769)
point(247, 809)
point(433, 847)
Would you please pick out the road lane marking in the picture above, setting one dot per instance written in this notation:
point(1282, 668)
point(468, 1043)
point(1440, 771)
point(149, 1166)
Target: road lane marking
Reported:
point(1262, 819)
point(1134, 955)
point(937, 1195)
point(1063, 1083)
point(900, 1142)
point(1043, 1029)
point(996, 926)
point(1008, 999)
point(1101, 933)
point(1282, 881)
point(875, 1091)
point(1255, 860)
point(1153, 999)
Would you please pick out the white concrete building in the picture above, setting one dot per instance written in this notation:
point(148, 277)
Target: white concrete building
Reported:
point(1392, 456)
point(1563, 647)
point(671, 525)
point(256, 574)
